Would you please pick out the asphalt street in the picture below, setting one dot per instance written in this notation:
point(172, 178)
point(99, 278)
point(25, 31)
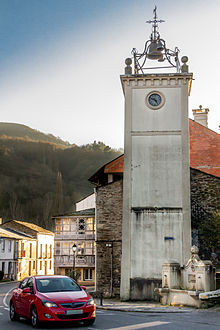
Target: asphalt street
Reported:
point(106, 319)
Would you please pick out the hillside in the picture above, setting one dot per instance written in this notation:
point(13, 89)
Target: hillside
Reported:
point(12, 130)
point(39, 179)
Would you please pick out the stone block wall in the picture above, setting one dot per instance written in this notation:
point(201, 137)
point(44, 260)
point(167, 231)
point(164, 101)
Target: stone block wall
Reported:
point(108, 241)
point(205, 190)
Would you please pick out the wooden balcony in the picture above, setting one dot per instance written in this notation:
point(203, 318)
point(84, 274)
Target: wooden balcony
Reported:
point(81, 261)
point(74, 236)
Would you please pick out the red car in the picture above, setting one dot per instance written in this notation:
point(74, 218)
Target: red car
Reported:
point(51, 298)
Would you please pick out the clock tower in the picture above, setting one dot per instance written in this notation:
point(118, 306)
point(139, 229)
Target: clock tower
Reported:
point(156, 193)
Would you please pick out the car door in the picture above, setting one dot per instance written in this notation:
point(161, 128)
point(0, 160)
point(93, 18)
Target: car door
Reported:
point(17, 295)
point(27, 298)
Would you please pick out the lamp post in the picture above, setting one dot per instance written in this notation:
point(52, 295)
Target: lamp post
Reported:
point(74, 247)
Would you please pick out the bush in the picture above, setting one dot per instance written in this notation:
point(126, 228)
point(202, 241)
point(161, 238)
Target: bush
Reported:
point(1, 275)
point(74, 274)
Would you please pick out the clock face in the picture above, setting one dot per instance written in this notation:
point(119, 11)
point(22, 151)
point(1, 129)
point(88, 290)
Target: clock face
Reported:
point(154, 100)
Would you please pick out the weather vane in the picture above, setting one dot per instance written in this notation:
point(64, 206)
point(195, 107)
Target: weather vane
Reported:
point(155, 49)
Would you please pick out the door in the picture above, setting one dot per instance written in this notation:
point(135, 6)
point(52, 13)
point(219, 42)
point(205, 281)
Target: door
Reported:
point(18, 293)
point(27, 298)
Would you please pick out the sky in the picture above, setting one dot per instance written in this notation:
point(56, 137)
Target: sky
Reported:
point(61, 60)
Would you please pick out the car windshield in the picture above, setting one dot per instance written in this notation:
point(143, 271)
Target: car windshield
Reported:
point(56, 285)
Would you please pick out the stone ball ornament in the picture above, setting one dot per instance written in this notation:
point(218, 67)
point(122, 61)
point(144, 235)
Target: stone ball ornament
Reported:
point(128, 61)
point(184, 59)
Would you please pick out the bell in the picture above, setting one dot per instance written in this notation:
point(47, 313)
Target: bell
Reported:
point(160, 46)
point(153, 53)
point(161, 59)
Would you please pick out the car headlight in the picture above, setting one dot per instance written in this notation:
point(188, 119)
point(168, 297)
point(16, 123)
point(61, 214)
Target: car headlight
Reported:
point(47, 303)
point(90, 302)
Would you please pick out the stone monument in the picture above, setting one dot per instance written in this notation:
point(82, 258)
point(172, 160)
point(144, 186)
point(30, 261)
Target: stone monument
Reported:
point(185, 285)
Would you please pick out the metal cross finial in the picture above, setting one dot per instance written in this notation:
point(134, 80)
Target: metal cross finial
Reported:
point(155, 34)
point(155, 12)
point(155, 49)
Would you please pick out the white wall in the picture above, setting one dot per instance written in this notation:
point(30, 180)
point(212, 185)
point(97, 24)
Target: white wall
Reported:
point(7, 254)
point(86, 203)
point(45, 264)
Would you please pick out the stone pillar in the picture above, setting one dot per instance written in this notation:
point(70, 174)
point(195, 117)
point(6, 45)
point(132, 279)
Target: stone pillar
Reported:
point(205, 276)
point(171, 276)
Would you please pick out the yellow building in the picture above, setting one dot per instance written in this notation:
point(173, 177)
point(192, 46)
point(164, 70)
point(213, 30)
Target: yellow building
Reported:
point(35, 249)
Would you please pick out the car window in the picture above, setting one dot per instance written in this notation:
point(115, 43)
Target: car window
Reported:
point(23, 284)
point(56, 285)
point(30, 284)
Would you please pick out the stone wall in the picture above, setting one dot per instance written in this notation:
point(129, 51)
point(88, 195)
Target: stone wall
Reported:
point(205, 190)
point(108, 241)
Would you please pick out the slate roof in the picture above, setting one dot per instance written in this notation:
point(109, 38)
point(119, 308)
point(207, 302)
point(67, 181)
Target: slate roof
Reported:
point(4, 233)
point(87, 212)
point(25, 228)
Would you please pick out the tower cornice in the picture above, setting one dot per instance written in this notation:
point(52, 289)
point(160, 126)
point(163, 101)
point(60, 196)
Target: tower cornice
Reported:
point(157, 80)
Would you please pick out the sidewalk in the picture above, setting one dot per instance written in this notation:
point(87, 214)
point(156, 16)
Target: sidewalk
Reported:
point(139, 306)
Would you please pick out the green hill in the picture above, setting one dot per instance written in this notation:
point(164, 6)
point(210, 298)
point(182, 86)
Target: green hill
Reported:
point(13, 130)
point(39, 179)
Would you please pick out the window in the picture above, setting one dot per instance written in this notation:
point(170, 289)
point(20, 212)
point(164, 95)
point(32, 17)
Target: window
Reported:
point(65, 248)
point(41, 265)
point(89, 225)
point(30, 250)
point(30, 284)
point(89, 248)
point(41, 250)
point(87, 274)
point(22, 250)
point(9, 269)
point(50, 264)
point(9, 245)
point(57, 247)
point(66, 224)
point(73, 225)
point(51, 251)
point(24, 283)
point(80, 249)
point(46, 251)
point(3, 266)
point(81, 226)
point(34, 265)
point(3, 244)
point(58, 226)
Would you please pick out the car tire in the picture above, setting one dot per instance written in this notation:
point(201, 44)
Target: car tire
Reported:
point(13, 315)
point(34, 318)
point(89, 322)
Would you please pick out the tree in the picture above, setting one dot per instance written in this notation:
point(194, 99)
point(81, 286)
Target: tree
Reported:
point(209, 231)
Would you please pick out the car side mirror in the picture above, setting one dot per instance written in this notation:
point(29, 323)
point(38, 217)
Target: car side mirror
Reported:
point(83, 287)
point(27, 290)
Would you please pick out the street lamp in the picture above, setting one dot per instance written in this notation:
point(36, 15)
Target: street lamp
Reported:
point(74, 247)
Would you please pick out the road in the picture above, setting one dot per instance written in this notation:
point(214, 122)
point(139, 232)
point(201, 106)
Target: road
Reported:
point(112, 320)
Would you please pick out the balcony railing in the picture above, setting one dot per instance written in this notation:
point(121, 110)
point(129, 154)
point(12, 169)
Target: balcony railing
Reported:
point(81, 261)
point(74, 236)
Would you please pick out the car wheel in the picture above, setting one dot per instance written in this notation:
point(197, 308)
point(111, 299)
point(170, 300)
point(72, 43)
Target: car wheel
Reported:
point(34, 318)
point(13, 315)
point(89, 322)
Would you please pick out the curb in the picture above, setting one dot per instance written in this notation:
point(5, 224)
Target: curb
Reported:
point(8, 282)
point(139, 311)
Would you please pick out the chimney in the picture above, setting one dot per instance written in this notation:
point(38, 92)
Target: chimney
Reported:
point(201, 116)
